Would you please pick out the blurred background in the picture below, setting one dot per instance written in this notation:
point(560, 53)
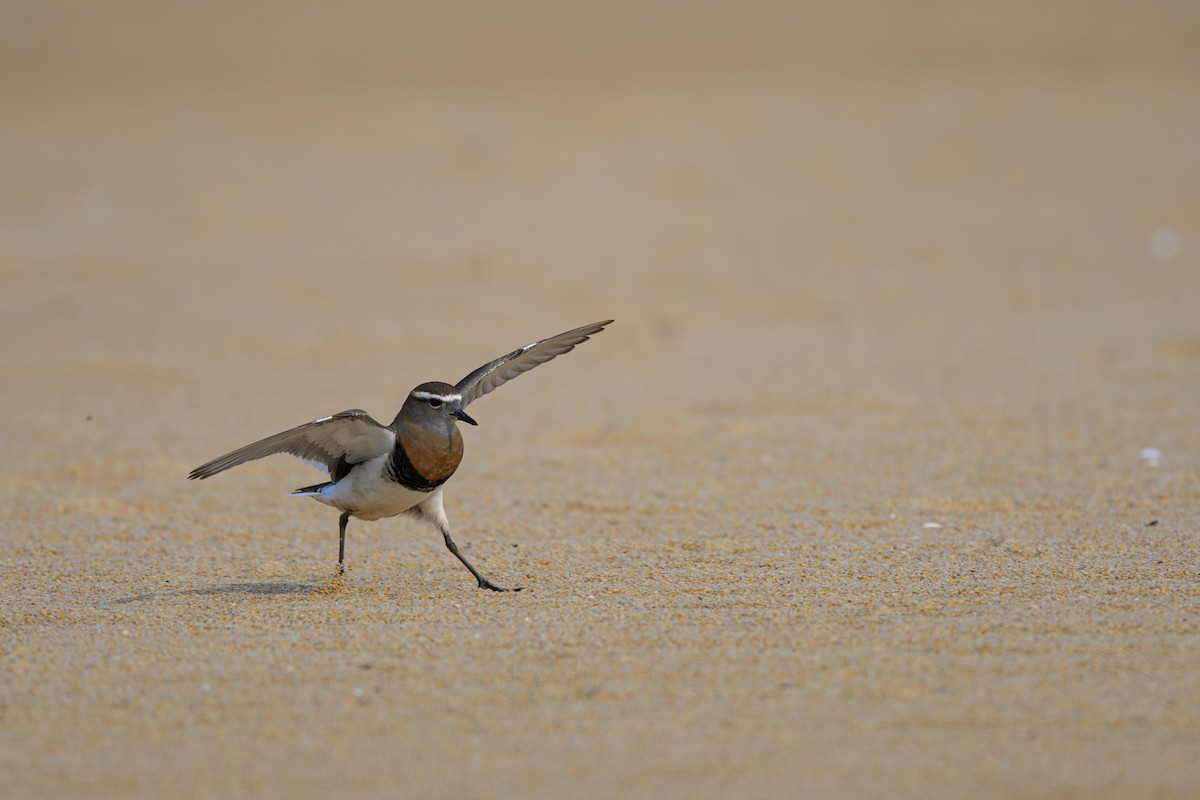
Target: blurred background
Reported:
point(801, 198)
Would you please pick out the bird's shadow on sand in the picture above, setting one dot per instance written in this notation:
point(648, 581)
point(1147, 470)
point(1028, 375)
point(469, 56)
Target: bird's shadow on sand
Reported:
point(265, 588)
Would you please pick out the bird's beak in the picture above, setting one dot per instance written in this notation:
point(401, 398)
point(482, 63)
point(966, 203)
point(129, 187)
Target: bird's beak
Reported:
point(464, 416)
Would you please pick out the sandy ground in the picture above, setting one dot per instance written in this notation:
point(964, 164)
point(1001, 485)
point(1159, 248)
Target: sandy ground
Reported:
point(848, 502)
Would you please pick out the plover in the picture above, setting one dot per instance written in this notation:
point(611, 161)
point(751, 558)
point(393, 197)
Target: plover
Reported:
point(378, 471)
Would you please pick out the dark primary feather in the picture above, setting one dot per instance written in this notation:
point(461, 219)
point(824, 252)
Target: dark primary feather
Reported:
point(496, 373)
point(350, 437)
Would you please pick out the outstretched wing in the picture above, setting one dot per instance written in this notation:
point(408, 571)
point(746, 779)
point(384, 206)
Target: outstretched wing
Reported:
point(499, 372)
point(350, 437)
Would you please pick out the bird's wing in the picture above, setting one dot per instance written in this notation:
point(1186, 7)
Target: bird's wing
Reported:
point(496, 373)
point(351, 436)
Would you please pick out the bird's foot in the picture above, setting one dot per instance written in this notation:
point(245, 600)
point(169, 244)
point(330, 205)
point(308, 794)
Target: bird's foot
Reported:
point(336, 584)
point(484, 583)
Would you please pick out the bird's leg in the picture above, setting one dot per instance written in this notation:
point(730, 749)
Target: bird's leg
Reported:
point(342, 541)
point(484, 583)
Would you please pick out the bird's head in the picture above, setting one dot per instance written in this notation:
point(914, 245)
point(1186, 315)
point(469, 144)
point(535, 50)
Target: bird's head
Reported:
point(434, 402)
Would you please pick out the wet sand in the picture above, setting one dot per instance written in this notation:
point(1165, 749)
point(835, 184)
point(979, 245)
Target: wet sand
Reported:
point(851, 500)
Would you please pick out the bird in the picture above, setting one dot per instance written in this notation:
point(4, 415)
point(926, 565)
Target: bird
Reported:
point(378, 471)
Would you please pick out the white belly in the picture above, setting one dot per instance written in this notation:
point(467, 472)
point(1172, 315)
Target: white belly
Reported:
point(367, 494)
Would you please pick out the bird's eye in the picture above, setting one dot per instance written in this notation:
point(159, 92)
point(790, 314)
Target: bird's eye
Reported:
point(435, 402)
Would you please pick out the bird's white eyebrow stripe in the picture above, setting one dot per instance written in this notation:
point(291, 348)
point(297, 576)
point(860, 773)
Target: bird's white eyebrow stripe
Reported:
point(445, 398)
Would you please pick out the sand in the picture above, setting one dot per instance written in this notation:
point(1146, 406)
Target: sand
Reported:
point(851, 500)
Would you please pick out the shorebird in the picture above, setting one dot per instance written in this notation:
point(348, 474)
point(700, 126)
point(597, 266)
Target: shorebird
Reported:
point(378, 471)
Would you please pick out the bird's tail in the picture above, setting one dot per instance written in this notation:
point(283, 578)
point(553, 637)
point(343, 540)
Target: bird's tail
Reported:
point(311, 490)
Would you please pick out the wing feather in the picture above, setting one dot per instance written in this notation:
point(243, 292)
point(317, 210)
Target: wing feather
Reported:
point(496, 373)
point(352, 435)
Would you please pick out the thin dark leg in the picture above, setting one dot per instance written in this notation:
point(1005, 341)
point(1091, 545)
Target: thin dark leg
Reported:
point(484, 583)
point(342, 540)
